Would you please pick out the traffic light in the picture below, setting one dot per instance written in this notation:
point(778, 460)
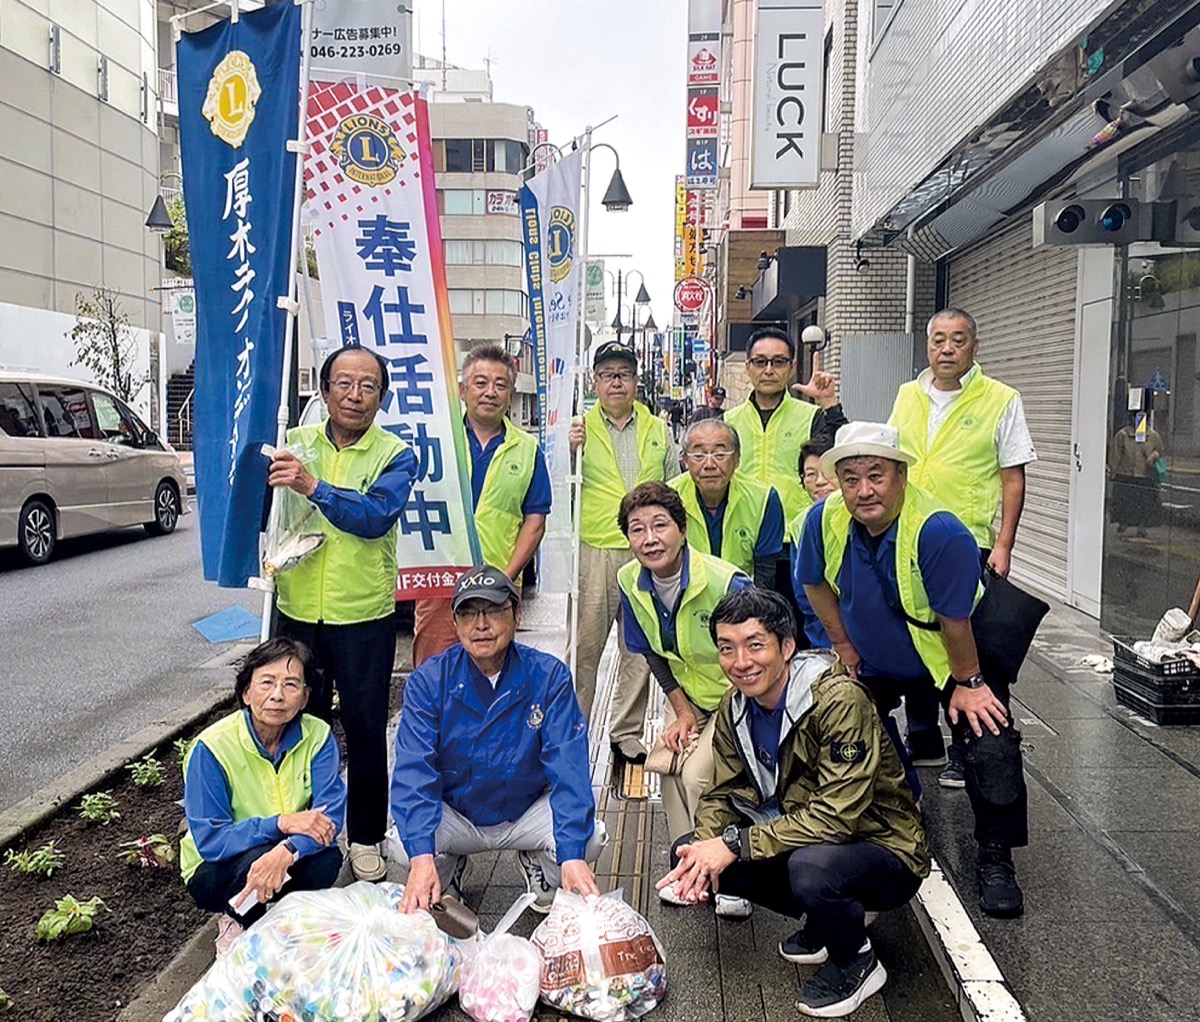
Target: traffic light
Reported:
point(1102, 222)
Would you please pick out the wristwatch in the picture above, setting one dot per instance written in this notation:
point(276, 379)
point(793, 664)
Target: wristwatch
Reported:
point(292, 848)
point(975, 681)
point(733, 839)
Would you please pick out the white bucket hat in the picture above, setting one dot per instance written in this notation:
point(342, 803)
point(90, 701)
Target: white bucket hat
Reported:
point(864, 439)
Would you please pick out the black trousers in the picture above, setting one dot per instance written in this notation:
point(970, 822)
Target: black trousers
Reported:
point(1003, 825)
point(214, 883)
point(358, 659)
point(835, 885)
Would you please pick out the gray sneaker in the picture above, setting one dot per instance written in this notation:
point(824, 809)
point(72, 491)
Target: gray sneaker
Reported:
point(954, 774)
point(536, 882)
point(458, 879)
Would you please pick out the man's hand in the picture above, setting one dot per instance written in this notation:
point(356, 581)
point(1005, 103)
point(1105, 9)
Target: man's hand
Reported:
point(679, 735)
point(312, 822)
point(848, 656)
point(821, 387)
point(577, 876)
point(1000, 560)
point(423, 889)
point(578, 434)
point(700, 865)
point(266, 875)
point(981, 707)
point(288, 470)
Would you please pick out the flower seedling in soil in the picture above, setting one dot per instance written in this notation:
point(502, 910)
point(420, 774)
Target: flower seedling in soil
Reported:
point(44, 861)
point(69, 916)
point(99, 807)
point(153, 852)
point(147, 772)
point(5, 1000)
point(182, 747)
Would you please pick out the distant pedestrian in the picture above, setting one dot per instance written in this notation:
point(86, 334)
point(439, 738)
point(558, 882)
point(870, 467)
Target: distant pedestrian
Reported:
point(1134, 465)
point(713, 408)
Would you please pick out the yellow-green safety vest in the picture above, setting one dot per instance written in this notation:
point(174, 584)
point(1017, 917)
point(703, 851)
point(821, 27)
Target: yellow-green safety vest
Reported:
point(498, 515)
point(349, 579)
point(256, 788)
point(771, 455)
point(745, 507)
point(961, 468)
point(694, 663)
point(917, 509)
point(795, 528)
point(603, 488)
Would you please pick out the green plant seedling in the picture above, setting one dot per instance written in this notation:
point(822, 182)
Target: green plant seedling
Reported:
point(99, 807)
point(182, 747)
point(147, 772)
point(69, 916)
point(42, 862)
point(153, 852)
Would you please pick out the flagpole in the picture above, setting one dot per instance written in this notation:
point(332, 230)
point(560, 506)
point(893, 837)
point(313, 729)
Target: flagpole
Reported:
point(288, 302)
point(577, 404)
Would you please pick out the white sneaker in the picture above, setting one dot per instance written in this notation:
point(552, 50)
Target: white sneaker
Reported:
point(670, 895)
point(228, 931)
point(729, 907)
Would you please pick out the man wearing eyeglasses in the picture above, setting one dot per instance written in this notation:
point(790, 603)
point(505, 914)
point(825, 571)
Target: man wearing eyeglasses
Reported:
point(492, 755)
point(341, 600)
point(624, 445)
point(729, 514)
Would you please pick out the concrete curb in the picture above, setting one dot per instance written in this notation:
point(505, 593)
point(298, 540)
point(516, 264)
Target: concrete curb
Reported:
point(40, 806)
point(975, 980)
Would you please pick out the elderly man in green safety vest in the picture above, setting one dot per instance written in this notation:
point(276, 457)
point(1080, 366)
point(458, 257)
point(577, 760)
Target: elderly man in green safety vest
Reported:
point(730, 515)
point(969, 434)
point(624, 444)
point(341, 600)
point(510, 487)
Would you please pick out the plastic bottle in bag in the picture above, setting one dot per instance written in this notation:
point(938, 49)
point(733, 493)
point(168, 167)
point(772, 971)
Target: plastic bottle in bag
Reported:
point(500, 982)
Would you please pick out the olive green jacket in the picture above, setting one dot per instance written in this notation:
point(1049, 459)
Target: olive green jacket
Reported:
point(838, 777)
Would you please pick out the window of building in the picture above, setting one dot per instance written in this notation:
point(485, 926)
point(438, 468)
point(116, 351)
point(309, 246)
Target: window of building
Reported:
point(505, 253)
point(509, 156)
point(464, 202)
point(458, 155)
point(487, 302)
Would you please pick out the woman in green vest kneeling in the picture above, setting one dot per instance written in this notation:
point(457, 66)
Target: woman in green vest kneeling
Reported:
point(667, 596)
point(263, 794)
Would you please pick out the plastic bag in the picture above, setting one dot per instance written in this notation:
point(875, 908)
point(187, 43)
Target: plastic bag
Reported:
point(500, 983)
point(341, 955)
point(600, 959)
point(293, 526)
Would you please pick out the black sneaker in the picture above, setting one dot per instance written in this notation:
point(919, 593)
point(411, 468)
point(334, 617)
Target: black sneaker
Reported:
point(926, 749)
point(954, 775)
point(537, 883)
point(999, 894)
point(629, 749)
point(796, 949)
point(837, 990)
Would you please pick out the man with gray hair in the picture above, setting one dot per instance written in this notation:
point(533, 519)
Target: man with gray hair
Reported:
point(969, 433)
point(730, 515)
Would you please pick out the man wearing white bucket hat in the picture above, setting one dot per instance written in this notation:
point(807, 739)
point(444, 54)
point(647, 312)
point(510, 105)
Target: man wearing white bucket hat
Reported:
point(894, 579)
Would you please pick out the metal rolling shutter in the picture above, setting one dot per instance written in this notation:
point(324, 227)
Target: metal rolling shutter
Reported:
point(1024, 302)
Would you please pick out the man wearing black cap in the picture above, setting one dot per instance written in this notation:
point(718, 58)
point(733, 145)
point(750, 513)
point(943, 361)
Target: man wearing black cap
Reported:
point(624, 445)
point(715, 409)
point(492, 754)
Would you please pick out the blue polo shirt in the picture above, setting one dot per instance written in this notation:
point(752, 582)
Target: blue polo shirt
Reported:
point(537, 498)
point(770, 535)
point(949, 562)
point(764, 730)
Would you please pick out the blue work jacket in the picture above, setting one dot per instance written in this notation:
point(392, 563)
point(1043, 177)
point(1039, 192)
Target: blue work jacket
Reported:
point(491, 763)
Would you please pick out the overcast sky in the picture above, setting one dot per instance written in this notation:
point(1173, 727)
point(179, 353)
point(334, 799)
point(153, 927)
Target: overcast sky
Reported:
point(578, 63)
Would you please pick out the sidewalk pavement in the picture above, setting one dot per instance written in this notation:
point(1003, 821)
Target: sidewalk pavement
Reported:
point(1111, 877)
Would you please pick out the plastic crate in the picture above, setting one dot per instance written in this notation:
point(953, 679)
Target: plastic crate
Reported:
point(1173, 675)
point(1152, 706)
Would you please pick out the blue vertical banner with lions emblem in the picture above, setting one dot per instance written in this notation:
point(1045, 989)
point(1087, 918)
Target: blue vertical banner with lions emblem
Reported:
point(549, 221)
point(239, 105)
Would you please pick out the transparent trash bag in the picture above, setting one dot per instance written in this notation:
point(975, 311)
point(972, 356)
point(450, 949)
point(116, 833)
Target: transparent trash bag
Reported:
point(341, 955)
point(500, 983)
point(600, 959)
point(293, 526)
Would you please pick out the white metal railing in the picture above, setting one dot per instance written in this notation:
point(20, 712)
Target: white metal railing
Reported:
point(167, 88)
point(183, 418)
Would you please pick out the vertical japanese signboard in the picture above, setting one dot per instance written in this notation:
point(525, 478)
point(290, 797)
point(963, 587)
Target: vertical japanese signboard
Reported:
point(239, 103)
point(703, 102)
point(374, 212)
point(595, 308)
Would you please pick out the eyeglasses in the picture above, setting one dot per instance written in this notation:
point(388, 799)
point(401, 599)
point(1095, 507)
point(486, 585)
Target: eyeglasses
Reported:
point(367, 388)
point(491, 611)
point(290, 686)
point(760, 362)
point(664, 525)
point(720, 457)
point(610, 376)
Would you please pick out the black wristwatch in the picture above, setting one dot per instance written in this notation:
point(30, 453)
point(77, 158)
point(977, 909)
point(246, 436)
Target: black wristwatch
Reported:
point(733, 839)
point(291, 847)
point(975, 681)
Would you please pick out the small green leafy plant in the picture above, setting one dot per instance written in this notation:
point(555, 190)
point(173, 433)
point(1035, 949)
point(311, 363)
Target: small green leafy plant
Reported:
point(182, 747)
point(44, 861)
point(69, 916)
point(5, 1000)
point(99, 807)
point(147, 772)
point(153, 852)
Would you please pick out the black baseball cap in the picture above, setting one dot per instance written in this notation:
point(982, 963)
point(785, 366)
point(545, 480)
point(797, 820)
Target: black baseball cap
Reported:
point(484, 583)
point(614, 349)
point(718, 392)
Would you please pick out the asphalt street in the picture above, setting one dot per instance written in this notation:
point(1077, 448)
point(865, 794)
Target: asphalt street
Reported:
point(97, 644)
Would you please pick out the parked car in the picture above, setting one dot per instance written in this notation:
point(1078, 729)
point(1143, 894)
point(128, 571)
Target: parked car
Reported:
point(75, 460)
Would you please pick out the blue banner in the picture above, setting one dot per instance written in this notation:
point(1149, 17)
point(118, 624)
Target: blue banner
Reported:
point(239, 91)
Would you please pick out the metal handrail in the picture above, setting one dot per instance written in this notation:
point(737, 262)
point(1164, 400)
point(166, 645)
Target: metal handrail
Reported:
point(185, 414)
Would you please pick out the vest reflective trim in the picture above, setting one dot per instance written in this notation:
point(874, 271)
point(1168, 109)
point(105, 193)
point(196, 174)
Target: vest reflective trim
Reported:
point(348, 579)
point(745, 508)
point(771, 455)
point(961, 468)
point(695, 665)
point(498, 516)
point(603, 488)
point(256, 788)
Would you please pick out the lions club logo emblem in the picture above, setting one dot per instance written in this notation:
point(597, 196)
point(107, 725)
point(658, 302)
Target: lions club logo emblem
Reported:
point(367, 150)
point(560, 242)
point(535, 717)
point(233, 90)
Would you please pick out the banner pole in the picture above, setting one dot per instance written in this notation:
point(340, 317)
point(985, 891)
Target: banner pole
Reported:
point(580, 353)
point(288, 302)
